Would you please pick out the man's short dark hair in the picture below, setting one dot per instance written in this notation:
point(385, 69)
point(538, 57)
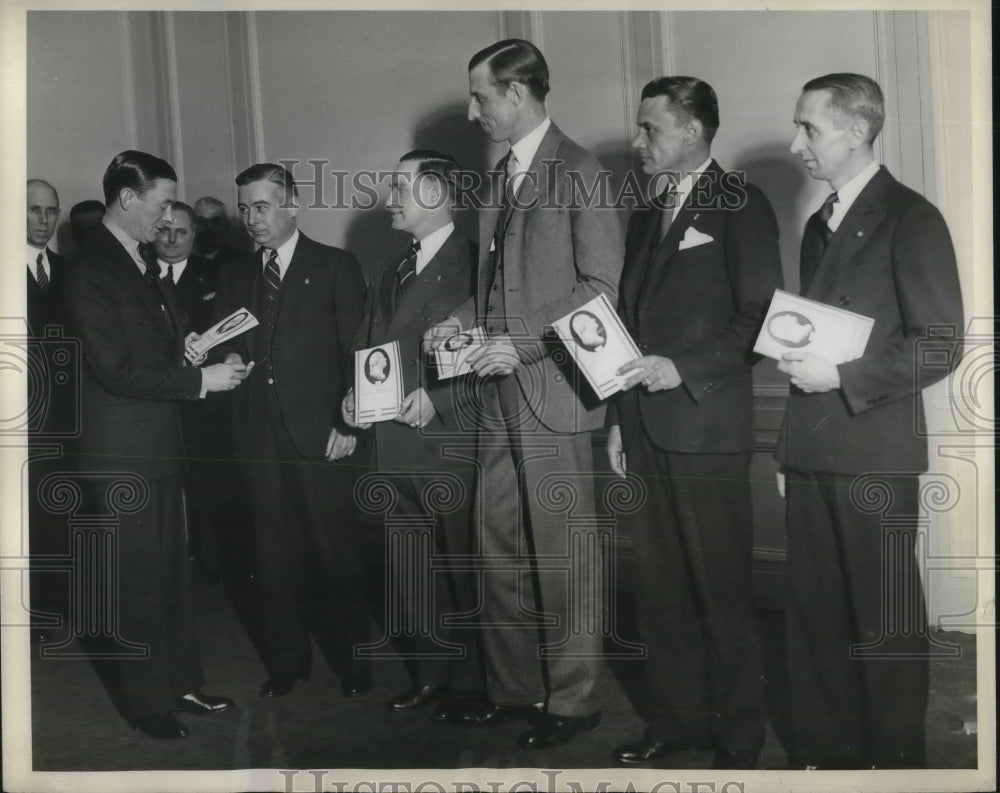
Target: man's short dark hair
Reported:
point(853, 96)
point(180, 206)
point(269, 172)
point(440, 166)
point(689, 98)
point(515, 61)
point(90, 205)
point(135, 170)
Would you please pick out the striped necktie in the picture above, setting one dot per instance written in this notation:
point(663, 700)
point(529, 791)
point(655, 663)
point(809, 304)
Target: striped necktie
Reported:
point(272, 275)
point(40, 274)
point(407, 270)
point(825, 213)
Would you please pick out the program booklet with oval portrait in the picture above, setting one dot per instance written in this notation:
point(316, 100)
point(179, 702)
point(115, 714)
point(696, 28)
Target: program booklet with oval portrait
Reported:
point(798, 324)
point(599, 344)
point(378, 386)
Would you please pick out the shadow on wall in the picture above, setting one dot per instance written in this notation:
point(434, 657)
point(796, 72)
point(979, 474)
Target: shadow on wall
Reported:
point(784, 182)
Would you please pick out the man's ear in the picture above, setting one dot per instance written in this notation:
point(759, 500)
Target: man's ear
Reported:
point(517, 92)
point(292, 204)
point(693, 131)
point(126, 197)
point(857, 132)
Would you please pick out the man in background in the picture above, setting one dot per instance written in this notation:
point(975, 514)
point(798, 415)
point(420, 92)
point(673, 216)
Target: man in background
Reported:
point(858, 689)
point(84, 220)
point(211, 222)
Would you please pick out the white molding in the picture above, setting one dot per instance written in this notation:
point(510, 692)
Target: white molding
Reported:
point(668, 59)
point(230, 107)
point(887, 147)
point(254, 96)
point(501, 20)
point(173, 98)
point(626, 33)
point(535, 29)
point(128, 79)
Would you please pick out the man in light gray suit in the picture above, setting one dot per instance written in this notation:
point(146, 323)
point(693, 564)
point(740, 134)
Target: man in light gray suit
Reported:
point(543, 252)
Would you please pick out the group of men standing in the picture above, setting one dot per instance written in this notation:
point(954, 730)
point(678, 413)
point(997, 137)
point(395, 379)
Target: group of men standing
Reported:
point(692, 280)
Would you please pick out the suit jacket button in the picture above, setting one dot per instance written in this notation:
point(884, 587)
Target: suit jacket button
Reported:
point(270, 381)
point(844, 301)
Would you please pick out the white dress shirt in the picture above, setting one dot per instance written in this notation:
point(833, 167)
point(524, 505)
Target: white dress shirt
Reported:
point(525, 149)
point(178, 269)
point(285, 252)
point(847, 195)
point(685, 185)
point(431, 244)
point(33, 261)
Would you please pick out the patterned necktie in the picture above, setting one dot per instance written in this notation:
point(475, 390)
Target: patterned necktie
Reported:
point(40, 274)
point(406, 270)
point(510, 170)
point(825, 213)
point(272, 275)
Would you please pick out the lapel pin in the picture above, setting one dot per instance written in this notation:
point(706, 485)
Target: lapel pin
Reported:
point(307, 280)
point(696, 216)
point(860, 234)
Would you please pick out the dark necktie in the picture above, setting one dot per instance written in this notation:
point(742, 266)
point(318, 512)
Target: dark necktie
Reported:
point(406, 271)
point(825, 213)
point(668, 201)
point(153, 276)
point(272, 276)
point(170, 272)
point(40, 275)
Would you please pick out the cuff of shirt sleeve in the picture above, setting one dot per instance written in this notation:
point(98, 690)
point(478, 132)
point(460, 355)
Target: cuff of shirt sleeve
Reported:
point(204, 386)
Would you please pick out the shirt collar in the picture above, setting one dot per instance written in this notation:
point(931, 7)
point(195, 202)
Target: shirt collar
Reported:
point(178, 268)
point(129, 243)
point(685, 185)
point(285, 252)
point(526, 148)
point(431, 244)
point(847, 194)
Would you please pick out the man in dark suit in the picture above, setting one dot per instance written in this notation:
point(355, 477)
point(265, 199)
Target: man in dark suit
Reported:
point(213, 501)
point(701, 264)
point(859, 690)
point(134, 375)
point(48, 535)
point(424, 448)
point(288, 430)
point(544, 250)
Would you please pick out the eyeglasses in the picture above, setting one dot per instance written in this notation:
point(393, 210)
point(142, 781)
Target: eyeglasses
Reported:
point(48, 212)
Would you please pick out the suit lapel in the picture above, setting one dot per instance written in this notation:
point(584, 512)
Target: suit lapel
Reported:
point(427, 284)
point(864, 216)
point(124, 267)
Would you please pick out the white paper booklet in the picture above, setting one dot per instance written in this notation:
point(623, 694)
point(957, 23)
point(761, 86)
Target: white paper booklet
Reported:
point(452, 357)
point(599, 343)
point(798, 324)
point(378, 383)
point(238, 322)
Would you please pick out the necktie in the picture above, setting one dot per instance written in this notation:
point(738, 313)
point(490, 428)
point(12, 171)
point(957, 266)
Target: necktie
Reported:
point(272, 276)
point(40, 275)
point(668, 201)
point(170, 272)
point(406, 270)
point(825, 213)
point(153, 276)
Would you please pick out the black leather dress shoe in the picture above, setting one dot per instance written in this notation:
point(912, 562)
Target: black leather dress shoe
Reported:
point(737, 761)
point(553, 730)
point(480, 713)
point(281, 684)
point(414, 698)
point(160, 727)
point(355, 686)
point(199, 704)
point(641, 751)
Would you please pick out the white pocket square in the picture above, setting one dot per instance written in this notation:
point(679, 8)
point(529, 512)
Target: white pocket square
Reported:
point(693, 238)
point(209, 296)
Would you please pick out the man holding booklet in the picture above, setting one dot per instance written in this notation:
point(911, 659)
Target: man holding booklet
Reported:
point(878, 249)
point(422, 444)
point(701, 263)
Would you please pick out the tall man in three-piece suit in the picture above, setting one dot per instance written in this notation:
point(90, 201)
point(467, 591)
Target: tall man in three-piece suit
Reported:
point(701, 264)
point(859, 691)
point(134, 375)
point(544, 250)
point(429, 445)
point(289, 433)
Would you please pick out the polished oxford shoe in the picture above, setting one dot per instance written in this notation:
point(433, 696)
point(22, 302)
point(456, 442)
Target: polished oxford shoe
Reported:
point(160, 727)
point(281, 684)
point(355, 686)
point(199, 704)
point(641, 751)
point(414, 698)
point(553, 730)
point(735, 761)
point(478, 714)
